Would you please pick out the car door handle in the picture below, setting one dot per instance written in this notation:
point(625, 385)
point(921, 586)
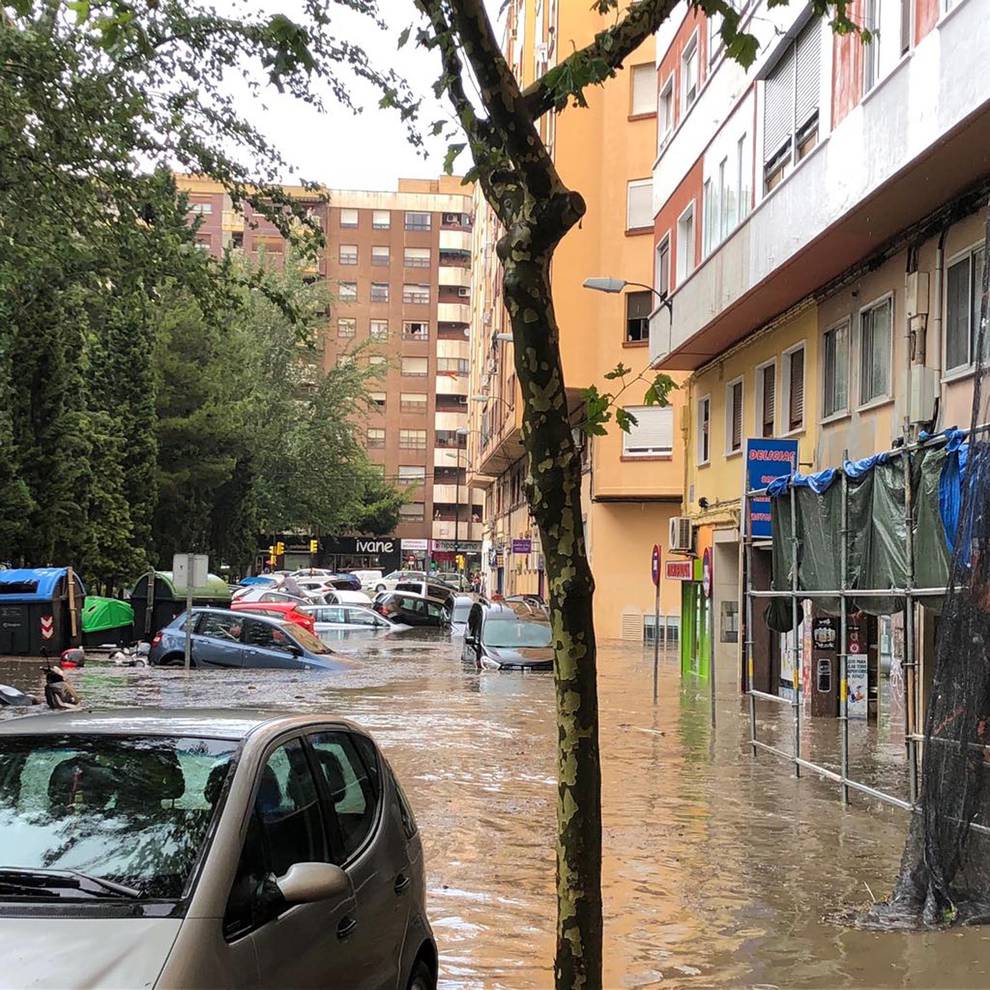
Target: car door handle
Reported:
point(402, 883)
point(346, 926)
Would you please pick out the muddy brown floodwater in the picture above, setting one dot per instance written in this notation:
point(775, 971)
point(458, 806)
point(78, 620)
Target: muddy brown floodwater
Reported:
point(718, 867)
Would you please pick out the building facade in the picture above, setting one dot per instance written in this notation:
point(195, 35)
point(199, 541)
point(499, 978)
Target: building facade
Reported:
point(398, 265)
point(632, 482)
point(816, 225)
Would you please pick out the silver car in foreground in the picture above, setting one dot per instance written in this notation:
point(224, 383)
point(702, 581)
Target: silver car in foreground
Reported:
point(143, 848)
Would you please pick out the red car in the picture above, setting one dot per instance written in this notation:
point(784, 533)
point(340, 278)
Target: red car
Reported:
point(282, 610)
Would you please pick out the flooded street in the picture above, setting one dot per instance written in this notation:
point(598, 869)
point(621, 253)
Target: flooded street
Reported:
point(718, 867)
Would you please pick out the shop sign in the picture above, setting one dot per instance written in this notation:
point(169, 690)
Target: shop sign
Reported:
point(416, 545)
point(454, 546)
point(374, 546)
point(522, 546)
point(679, 570)
point(766, 460)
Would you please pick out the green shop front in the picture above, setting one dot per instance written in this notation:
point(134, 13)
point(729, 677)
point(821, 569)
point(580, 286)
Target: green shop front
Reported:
point(696, 647)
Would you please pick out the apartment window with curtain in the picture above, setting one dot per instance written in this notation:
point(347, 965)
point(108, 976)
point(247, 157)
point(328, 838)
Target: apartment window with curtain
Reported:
point(415, 293)
point(376, 437)
point(963, 285)
point(348, 218)
point(379, 399)
point(381, 220)
point(412, 402)
point(412, 512)
point(665, 112)
point(766, 399)
point(790, 105)
point(704, 429)
point(418, 221)
point(835, 370)
point(794, 387)
point(415, 330)
point(347, 254)
point(346, 327)
point(638, 306)
point(875, 328)
point(661, 273)
point(734, 416)
point(685, 244)
point(415, 367)
point(379, 291)
point(642, 86)
point(412, 439)
point(416, 258)
point(347, 291)
point(380, 256)
point(689, 73)
point(653, 433)
point(378, 329)
point(639, 204)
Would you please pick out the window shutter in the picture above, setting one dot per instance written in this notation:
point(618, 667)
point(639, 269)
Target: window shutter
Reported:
point(653, 433)
point(795, 412)
point(639, 204)
point(808, 76)
point(644, 86)
point(769, 398)
point(778, 105)
point(737, 415)
point(638, 305)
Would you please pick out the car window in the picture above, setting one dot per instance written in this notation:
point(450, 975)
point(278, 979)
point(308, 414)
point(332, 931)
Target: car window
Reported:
point(273, 596)
point(359, 617)
point(416, 605)
point(286, 828)
point(435, 610)
point(414, 586)
point(438, 591)
point(263, 634)
point(220, 626)
point(353, 792)
point(332, 613)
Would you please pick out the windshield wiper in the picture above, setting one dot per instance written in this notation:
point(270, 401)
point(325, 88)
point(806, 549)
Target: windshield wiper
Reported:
point(50, 881)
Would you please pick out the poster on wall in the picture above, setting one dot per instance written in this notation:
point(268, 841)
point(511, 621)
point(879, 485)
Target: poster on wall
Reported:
point(857, 673)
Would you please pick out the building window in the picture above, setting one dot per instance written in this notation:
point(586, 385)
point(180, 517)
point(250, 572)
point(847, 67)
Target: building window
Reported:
point(704, 429)
point(653, 433)
point(710, 209)
point(416, 258)
point(689, 73)
point(415, 367)
point(381, 220)
point(794, 387)
point(347, 291)
point(412, 439)
point(346, 327)
point(412, 402)
point(835, 370)
point(376, 437)
point(642, 84)
point(875, 325)
point(743, 168)
point(452, 366)
point(639, 204)
point(418, 221)
point(412, 474)
point(714, 24)
point(347, 254)
point(665, 112)
point(379, 291)
point(379, 329)
point(380, 256)
point(685, 244)
point(378, 399)
point(412, 512)
point(790, 105)
point(661, 276)
point(415, 330)
point(415, 293)
point(203, 209)
point(964, 284)
point(348, 218)
point(766, 399)
point(377, 361)
point(733, 416)
point(871, 49)
point(638, 306)
point(730, 622)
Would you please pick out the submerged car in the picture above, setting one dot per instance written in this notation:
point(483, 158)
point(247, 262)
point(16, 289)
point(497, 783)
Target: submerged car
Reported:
point(185, 848)
point(287, 611)
point(413, 610)
point(389, 582)
point(459, 614)
point(227, 638)
point(334, 623)
point(508, 635)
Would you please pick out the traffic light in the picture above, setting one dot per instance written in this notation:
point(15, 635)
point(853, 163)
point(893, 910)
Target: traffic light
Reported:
point(460, 562)
point(314, 546)
point(272, 562)
point(279, 549)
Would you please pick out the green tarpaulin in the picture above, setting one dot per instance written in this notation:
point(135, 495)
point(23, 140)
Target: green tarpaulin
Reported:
point(105, 613)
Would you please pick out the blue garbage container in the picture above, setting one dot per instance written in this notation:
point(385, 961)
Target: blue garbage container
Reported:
point(38, 612)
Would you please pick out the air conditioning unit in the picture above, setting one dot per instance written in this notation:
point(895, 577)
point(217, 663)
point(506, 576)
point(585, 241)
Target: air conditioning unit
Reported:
point(463, 291)
point(681, 536)
point(452, 218)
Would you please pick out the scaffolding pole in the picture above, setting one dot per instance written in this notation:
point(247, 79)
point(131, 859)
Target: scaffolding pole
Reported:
point(843, 643)
point(747, 529)
point(794, 633)
point(910, 665)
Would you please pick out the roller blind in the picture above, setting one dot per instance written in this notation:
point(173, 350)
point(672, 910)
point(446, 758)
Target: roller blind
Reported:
point(795, 412)
point(644, 88)
point(778, 105)
point(653, 434)
point(808, 75)
point(639, 204)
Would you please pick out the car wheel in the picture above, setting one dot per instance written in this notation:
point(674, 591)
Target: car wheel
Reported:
point(421, 978)
point(379, 589)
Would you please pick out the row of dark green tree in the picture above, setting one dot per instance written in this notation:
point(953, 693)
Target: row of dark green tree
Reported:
point(152, 398)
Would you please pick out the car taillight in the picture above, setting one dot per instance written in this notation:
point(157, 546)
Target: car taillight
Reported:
point(157, 638)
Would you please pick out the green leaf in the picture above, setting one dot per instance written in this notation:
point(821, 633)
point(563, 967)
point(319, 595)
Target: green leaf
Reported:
point(452, 152)
point(625, 420)
point(658, 394)
point(404, 37)
point(619, 371)
point(743, 49)
point(81, 7)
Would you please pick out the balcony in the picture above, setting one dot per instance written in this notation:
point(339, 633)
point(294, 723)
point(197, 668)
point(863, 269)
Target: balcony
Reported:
point(453, 385)
point(454, 347)
point(460, 277)
point(443, 530)
point(911, 140)
point(453, 312)
point(449, 457)
point(451, 420)
point(455, 240)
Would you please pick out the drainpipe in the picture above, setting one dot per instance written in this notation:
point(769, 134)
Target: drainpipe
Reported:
point(938, 388)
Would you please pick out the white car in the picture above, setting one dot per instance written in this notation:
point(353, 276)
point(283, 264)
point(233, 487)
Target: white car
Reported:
point(334, 623)
point(316, 587)
point(389, 582)
point(339, 596)
point(260, 593)
point(368, 579)
point(308, 572)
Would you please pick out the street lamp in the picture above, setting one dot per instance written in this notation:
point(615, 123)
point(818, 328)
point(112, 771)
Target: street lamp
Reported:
point(600, 283)
point(461, 431)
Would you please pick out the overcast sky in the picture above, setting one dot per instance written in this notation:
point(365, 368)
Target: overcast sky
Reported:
point(369, 150)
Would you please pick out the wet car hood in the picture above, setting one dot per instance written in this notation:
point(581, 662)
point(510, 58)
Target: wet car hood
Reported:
point(525, 656)
point(84, 952)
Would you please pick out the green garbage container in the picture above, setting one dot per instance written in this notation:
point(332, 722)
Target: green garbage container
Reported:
point(107, 621)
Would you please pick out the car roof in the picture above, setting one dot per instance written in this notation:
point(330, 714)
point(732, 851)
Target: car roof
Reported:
point(213, 723)
point(521, 610)
point(239, 613)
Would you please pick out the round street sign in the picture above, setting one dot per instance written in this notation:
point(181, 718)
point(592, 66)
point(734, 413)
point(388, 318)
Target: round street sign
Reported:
point(706, 572)
point(655, 565)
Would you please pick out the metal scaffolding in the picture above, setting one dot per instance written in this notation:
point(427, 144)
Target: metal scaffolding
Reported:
point(911, 596)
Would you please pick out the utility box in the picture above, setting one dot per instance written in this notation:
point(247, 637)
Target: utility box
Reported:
point(825, 666)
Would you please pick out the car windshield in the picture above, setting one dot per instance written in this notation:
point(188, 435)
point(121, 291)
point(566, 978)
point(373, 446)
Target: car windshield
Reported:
point(130, 810)
point(306, 639)
point(461, 611)
point(511, 633)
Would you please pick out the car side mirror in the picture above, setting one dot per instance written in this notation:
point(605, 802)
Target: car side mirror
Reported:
point(307, 883)
point(295, 649)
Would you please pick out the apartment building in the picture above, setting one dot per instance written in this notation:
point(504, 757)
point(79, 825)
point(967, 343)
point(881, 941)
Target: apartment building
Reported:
point(632, 482)
point(399, 267)
point(818, 226)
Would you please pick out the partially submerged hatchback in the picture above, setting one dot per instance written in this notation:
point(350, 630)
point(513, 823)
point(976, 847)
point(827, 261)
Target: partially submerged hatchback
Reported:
point(206, 849)
point(508, 635)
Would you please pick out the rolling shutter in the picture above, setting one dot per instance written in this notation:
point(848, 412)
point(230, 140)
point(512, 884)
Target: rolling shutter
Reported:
point(795, 412)
point(737, 415)
point(778, 105)
point(808, 75)
point(653, 434)
point(769, 415)
point(639, 204)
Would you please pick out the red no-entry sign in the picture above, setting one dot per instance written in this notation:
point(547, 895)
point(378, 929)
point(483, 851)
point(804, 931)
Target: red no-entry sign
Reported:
point(655, 565)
